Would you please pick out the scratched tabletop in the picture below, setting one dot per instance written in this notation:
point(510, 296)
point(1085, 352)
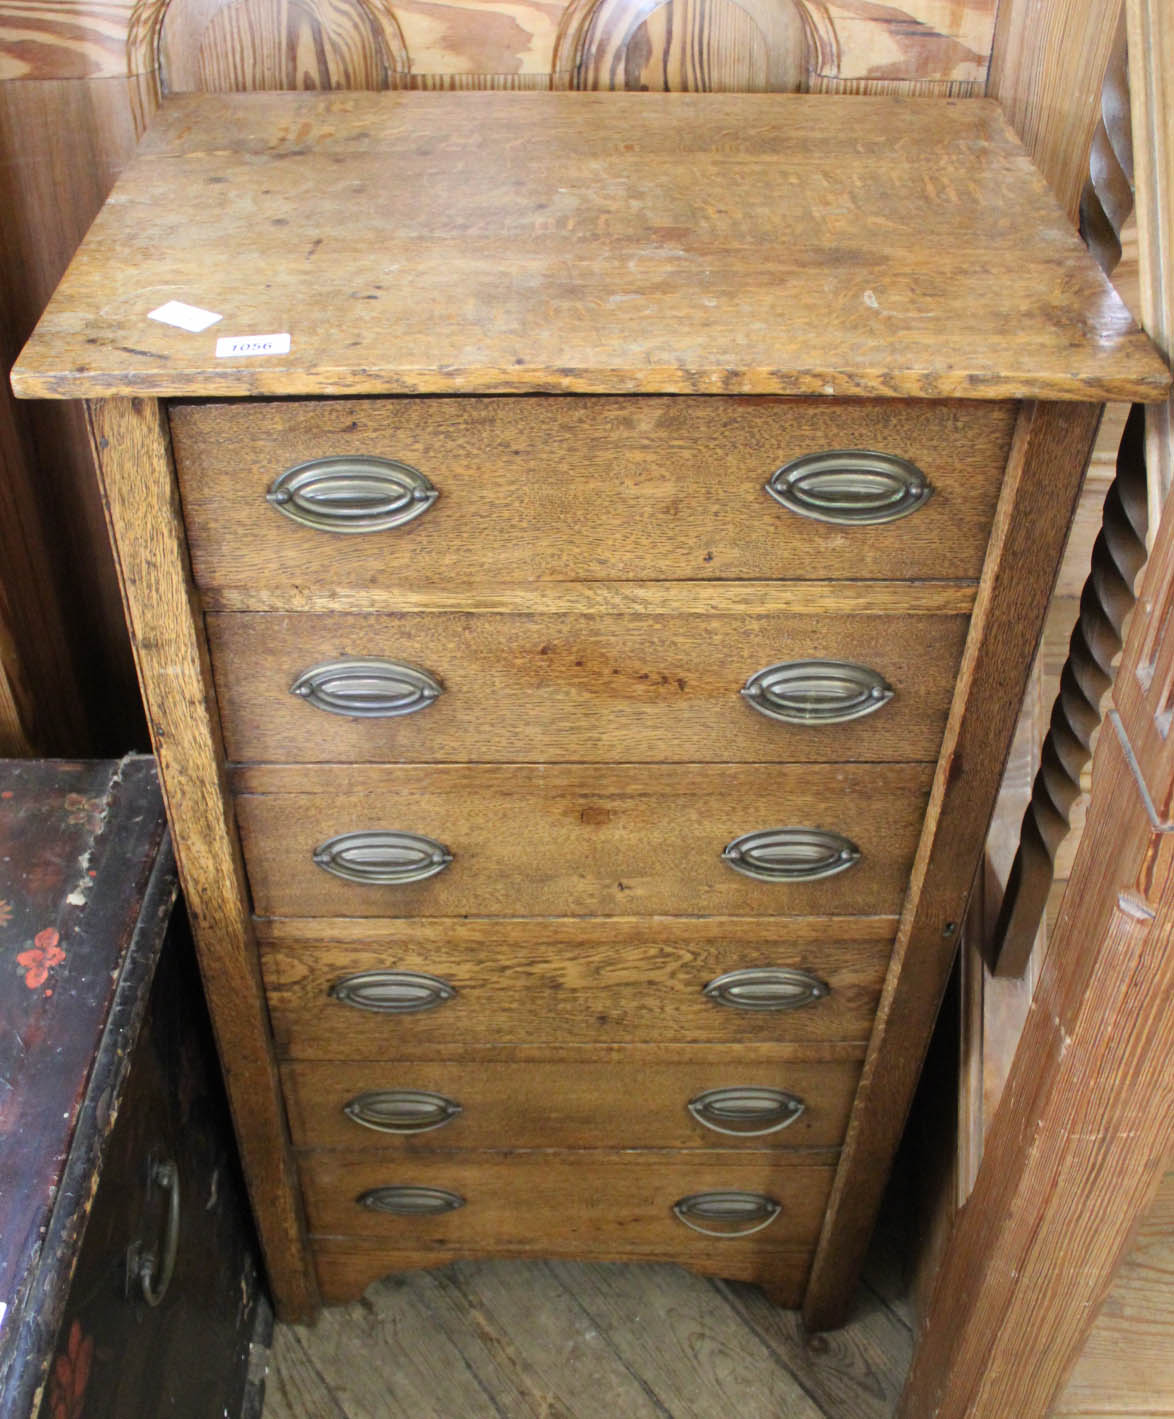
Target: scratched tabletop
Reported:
point(81, 848)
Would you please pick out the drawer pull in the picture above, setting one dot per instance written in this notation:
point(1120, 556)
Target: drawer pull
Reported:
point(143, 1265)
point(401, 1110)
point(393, 992)
point(728, 1214)
point(355, 494)
point(851, 487)
point(816, 691)
point(367, 689)
point(746, 1112)
point(408, 1201)
point(767, 988)
point(791, 854)
point(382, 857)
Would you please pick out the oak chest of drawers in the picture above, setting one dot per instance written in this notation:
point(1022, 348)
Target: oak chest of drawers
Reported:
point(582, 617)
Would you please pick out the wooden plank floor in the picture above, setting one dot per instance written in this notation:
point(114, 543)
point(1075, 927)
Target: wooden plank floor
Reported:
point(564, 1340)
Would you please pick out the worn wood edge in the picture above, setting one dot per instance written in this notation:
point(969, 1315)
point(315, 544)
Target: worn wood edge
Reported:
point(30, 380)
point(142, 844)
point(132, 452)
point(1079, 1145)
point(1045, 468)
point(645, 598)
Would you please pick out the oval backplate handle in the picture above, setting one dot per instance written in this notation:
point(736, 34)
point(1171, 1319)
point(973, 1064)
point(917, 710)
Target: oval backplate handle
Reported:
point(393, 992)
point(382, 857)
point(816, 691)
point(357, 493)
point(367, 688)
point(746, 1111)
point(791, 854)
point(851, 487)
point(410, 1201)
point(727, 1214)
point(767, 988)
point(401, 1110)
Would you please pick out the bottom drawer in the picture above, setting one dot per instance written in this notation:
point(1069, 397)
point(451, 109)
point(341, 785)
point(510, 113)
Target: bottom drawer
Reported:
point(346, 1267)
point(569, 1204)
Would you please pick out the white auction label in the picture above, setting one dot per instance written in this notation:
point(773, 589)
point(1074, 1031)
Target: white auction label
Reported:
point(187, 317)
point(230, 346)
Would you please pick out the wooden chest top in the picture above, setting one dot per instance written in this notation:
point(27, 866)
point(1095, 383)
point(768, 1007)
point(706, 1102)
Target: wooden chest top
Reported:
point(577, 242)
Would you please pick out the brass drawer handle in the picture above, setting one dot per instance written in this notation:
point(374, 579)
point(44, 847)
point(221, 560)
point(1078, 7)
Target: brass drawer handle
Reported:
point(791, 854)
point(366, 688)
point(393, 992)
point(410, 1201)
point(746, 1111)
point(729, 1214)
point(850, 487)
point(767, 988)
point(382, 857)
point(353, 494)
point(816, 691)
point(401, 1110)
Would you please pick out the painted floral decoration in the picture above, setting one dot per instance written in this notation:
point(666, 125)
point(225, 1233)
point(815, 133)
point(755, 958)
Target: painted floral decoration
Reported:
point(70, 1375)
point(41, 957)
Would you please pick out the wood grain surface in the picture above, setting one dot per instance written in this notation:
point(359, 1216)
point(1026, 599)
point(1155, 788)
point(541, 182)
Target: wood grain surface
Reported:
point(541, 840)
point(688, 45)
point(130, 445)
point(1047, 66)
point(550, 1199)
point(1050, 451)
point(495, 44)
point(589, 251)
point(346, 1268)
point(583, 489)
point(634, 1096)
point(209, 46)
point(546, 689)
point(66, 140)
point(64, 39)
point(1127, 1364)
point(1082, 1134)
point(587, 981)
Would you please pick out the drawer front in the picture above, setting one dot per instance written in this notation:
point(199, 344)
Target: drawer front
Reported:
point(570, 840)
point(654, 689)
point(574, 982)
point(728, 1098)
point(535, 1200)
point(567, 489)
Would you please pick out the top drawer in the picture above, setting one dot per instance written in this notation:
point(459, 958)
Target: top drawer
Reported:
point(580, 488)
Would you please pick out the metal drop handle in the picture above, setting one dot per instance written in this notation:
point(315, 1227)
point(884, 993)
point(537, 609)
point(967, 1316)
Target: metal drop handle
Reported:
point(401, 1110)
point(393, 992)
point(382, 857)
point(352, 494)
point(143, 1266)
point(851, 487)
point(367, 688)
point(729, 1214)
point(410, 1201)
point(767, 988)
point(791, 854)
point(816, 691)
point(746, 1111)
